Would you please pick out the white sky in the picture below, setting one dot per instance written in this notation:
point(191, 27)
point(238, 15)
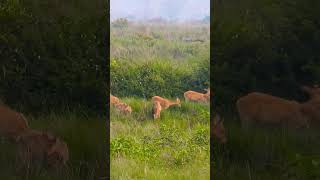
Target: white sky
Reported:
point(146, 9)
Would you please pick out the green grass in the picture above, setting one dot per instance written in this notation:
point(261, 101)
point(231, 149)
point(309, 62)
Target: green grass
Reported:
point(174, 147)
point(264, 153)
point(85, 135)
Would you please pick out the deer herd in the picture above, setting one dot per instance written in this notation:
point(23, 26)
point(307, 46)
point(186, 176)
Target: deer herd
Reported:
point(160, 103)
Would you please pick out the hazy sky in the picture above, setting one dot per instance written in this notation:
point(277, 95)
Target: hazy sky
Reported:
point(146, 9)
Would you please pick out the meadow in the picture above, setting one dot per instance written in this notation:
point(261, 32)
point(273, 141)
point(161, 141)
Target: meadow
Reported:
point(164, 59)
point(85, 135)
point(176, 146)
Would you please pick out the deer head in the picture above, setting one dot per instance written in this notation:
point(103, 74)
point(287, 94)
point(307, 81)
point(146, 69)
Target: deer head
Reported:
point(313, 92)
point(218, 130)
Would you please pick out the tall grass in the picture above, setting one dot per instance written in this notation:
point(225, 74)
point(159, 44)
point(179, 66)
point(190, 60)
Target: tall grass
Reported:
point(176, 146)
point(267, 153)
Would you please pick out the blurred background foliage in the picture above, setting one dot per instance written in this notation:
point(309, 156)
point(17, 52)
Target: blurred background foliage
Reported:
point(53, 54)
point(270, 46)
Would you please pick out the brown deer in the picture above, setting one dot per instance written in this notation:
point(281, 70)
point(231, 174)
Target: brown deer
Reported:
point(165, 103)
point(156, 109)
point(266, 109)
point(123, 107)
point(218, 130)
point(114, 100)
point(197, 97)
point(12, 123)
point(42, 147)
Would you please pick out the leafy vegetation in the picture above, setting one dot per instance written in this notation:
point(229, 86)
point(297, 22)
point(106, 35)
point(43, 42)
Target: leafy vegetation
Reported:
point(53, 54)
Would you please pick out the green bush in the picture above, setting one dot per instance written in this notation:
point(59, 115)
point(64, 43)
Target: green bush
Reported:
point(120, 23)
point(53, 54)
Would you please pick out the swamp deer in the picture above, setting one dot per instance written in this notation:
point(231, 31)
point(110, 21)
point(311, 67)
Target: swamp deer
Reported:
point(43, 148)
point(156, 109)
point(123, 107)
point(114, 100)
point(266, 109)
point(218, 130)
point(197, 97)
point(12, 123)
point(165, 103)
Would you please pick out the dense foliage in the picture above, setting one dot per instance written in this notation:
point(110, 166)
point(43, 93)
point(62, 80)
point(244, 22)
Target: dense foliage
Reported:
point(53, 53)
point(269, 46)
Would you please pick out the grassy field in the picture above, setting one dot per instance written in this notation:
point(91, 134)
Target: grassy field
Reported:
point(159, 59)
point(264, 153)
point(150, 59)
point(176, 146)
point(84, 133)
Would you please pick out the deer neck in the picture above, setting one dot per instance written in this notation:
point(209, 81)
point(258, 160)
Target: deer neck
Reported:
point(173, 103)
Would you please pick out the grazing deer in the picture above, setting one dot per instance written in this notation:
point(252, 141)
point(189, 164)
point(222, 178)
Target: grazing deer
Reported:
point(165, 103)
point(114, 100)
point(218, 130)
point(123, 107)
point(266, 109)
point(12, 123)
point(197, 97)
point(42, 147)
point(156, 109)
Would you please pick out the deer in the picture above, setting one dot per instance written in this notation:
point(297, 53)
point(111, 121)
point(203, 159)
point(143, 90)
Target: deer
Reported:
point(156, 109)
point(218, 130)
point(263, 108)
point(12, 123)
point(123, 107)
point(197, 97)
point(165, 103)
point(41, 147)
point(114, 99)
